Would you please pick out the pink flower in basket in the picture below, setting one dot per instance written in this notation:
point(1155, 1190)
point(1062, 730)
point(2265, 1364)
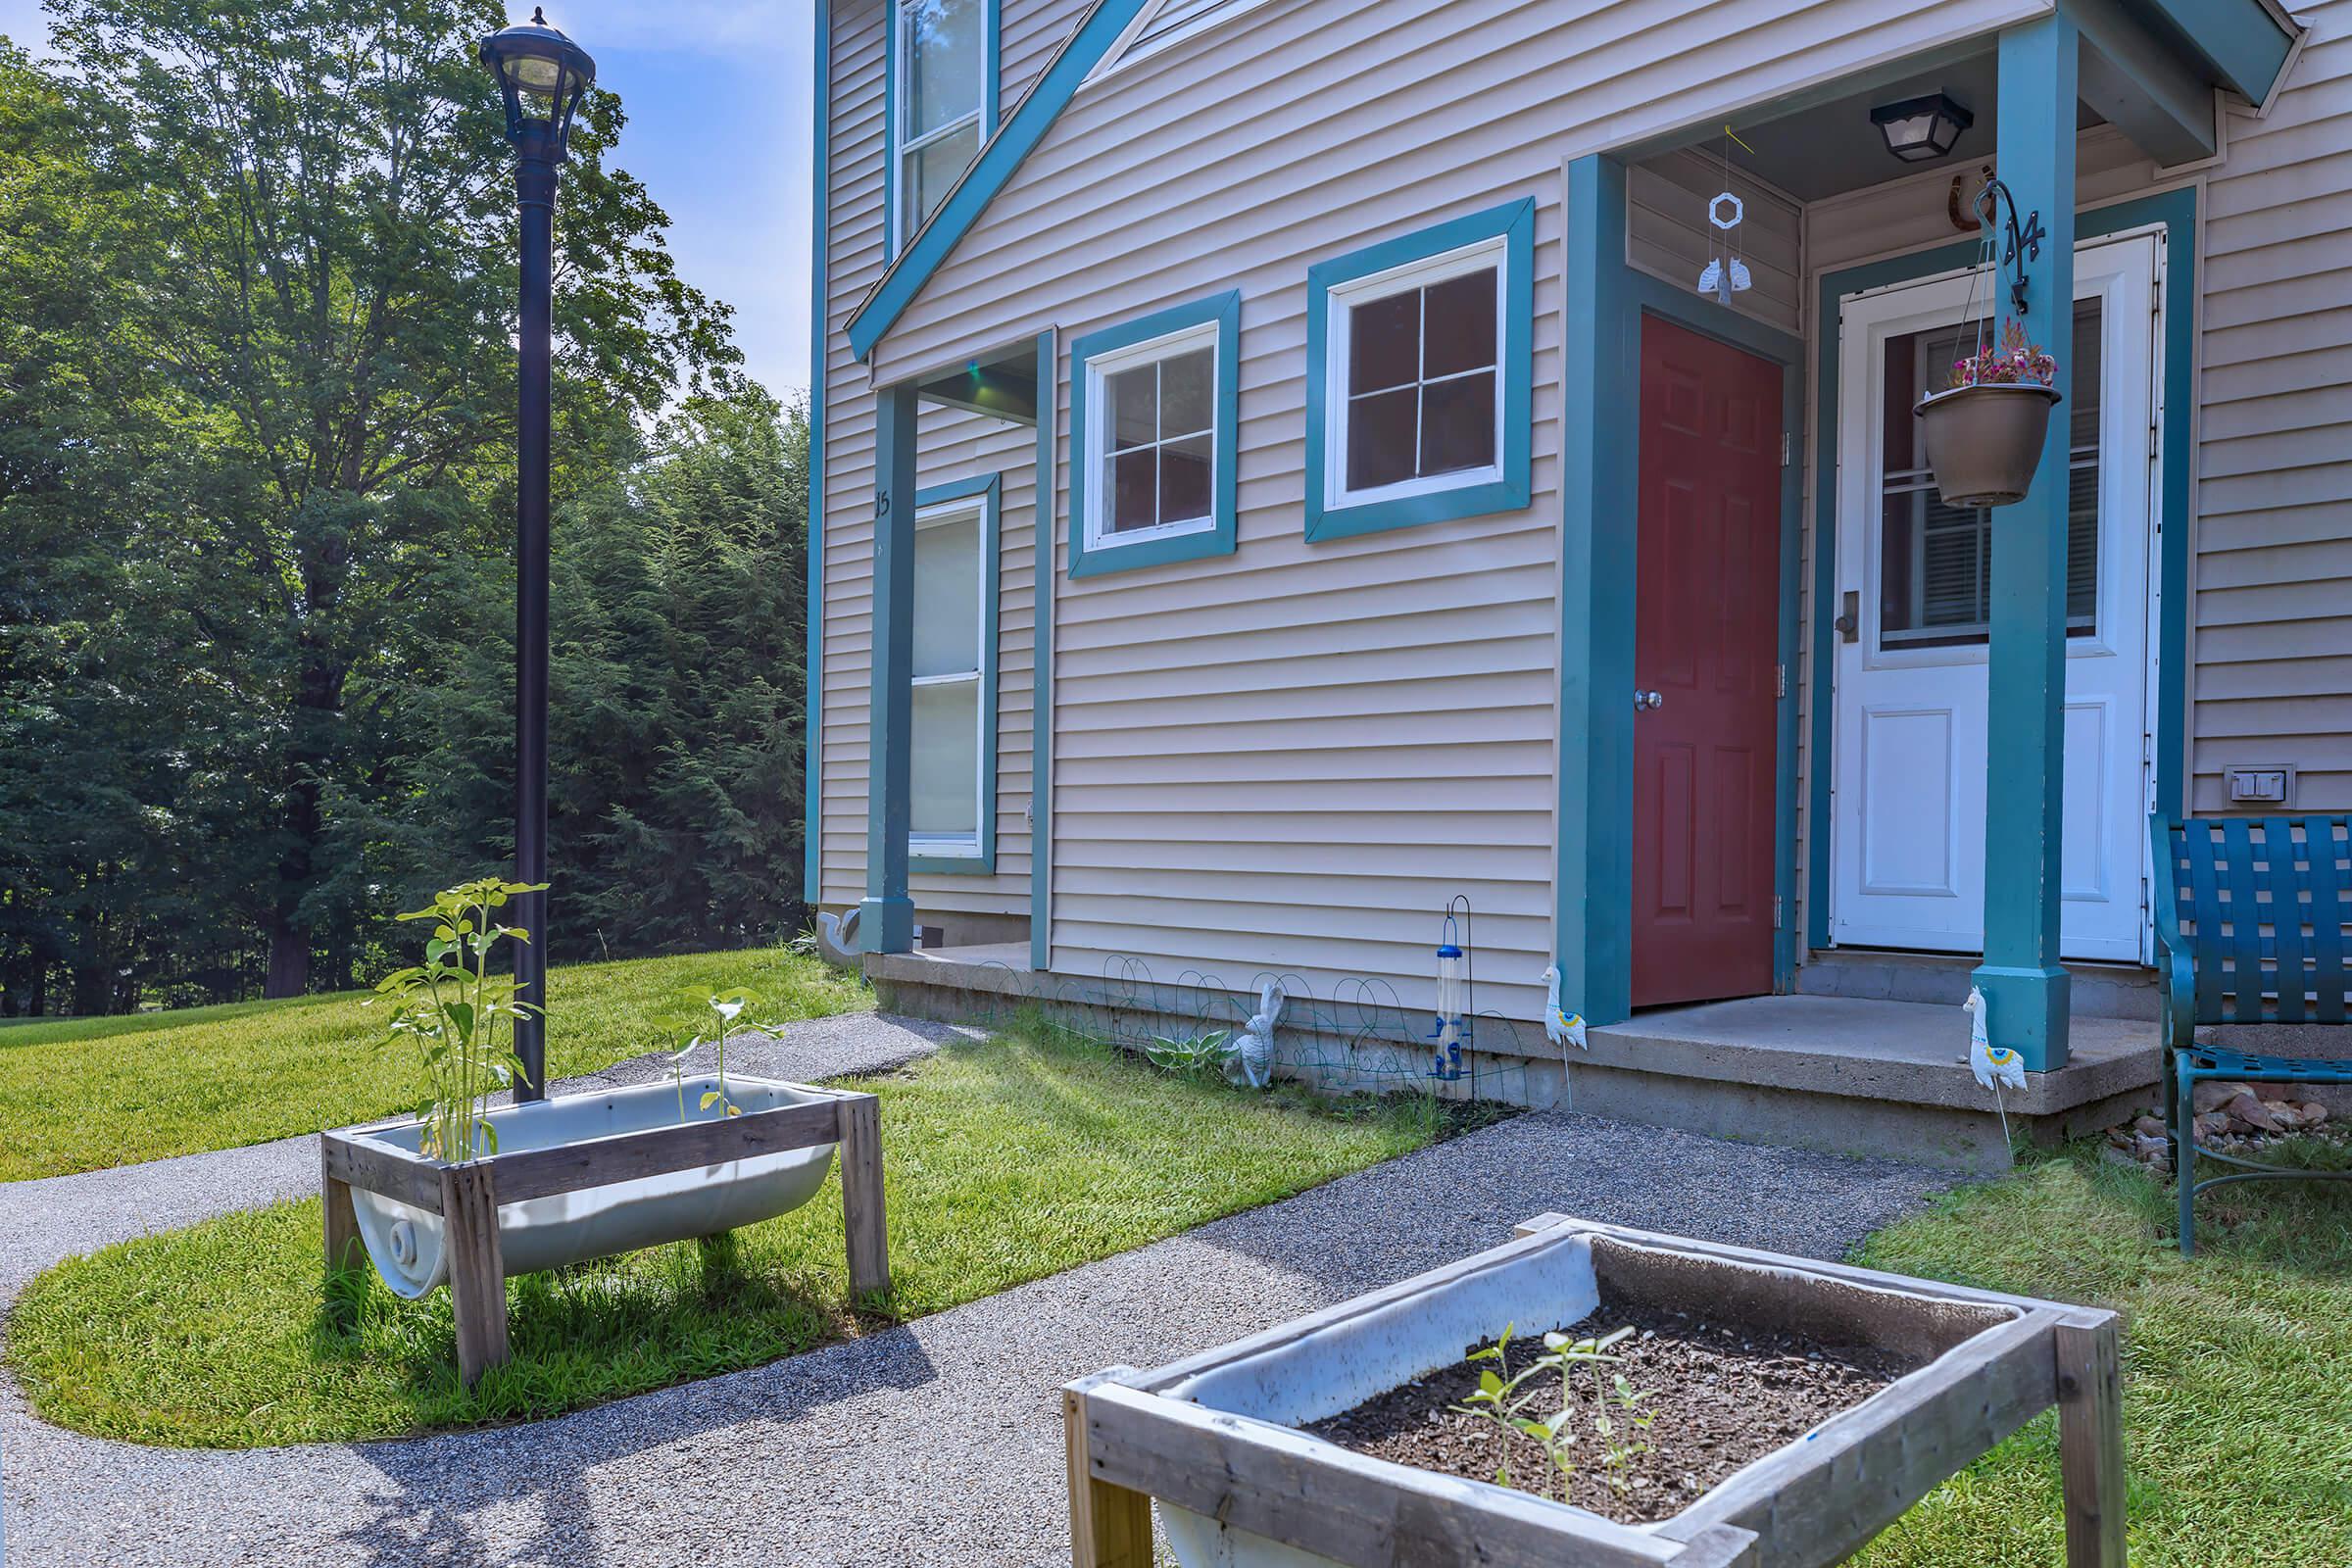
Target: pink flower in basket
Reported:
point(2014, 363)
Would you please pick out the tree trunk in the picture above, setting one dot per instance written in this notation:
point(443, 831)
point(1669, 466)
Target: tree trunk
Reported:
point(93, 994)
point(289, 958)
point(318, 702)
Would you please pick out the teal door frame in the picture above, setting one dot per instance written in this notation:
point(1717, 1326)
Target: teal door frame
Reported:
point(2176, 211)
point(1607, 300)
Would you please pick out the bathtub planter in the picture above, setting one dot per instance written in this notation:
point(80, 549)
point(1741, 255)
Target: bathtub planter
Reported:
point(591, 1175)
point(1215, 1437)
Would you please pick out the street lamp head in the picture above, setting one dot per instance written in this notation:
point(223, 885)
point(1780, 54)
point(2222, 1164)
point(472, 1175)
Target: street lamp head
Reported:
point(543, 74)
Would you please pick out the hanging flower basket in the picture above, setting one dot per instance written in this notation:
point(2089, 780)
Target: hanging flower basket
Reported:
point(1985, 435)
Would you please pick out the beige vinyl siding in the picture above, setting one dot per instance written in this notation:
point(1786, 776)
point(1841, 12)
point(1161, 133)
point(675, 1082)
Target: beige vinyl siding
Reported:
point(1314, 110)
point(1667, 233)
point(1288, 760)
point(952, 445)
point(2272, 679)
point(1028, 32)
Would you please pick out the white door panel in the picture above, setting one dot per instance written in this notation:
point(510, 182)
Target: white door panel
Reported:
point(1907, 835)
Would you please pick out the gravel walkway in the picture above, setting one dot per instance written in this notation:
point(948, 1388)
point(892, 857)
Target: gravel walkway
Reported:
point(938, 1443)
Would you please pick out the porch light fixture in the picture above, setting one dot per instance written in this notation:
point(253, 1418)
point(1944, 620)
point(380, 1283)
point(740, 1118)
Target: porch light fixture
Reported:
point(1919, 130)
point(543, 75)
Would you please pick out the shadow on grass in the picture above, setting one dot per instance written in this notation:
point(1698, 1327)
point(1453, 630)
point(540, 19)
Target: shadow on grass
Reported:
point(437, 1491)
point(608, 1329)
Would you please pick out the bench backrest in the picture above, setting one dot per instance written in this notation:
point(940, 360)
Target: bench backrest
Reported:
point(2258, 905)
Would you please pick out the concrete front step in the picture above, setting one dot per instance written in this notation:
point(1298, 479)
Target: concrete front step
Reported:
point(1851, 1075)
point(2099, 991)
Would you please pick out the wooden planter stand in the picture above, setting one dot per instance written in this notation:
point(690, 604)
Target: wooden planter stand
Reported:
point(1993, 1361)
point(466, 1197)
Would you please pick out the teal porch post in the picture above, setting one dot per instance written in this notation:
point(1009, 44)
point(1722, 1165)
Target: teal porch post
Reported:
point(887, 922)
point(1593, 891)
point(2022, 979)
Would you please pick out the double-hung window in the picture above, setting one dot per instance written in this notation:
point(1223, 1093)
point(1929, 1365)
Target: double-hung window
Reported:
point(952, 720)
point(1152, 439)
point(943, 97)
point(1419, 361)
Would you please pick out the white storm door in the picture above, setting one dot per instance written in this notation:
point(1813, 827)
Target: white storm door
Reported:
point(1914, 580)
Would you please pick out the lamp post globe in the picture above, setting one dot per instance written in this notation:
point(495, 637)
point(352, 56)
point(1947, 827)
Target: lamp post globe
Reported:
point(543, 75)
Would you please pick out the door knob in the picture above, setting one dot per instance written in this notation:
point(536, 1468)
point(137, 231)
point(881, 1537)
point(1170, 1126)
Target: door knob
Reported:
point(1644, 701)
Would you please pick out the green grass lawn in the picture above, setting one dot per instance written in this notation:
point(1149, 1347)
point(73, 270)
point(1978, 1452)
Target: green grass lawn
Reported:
point(2237, 1363)
point(1003, 1162)
point(81, 1095)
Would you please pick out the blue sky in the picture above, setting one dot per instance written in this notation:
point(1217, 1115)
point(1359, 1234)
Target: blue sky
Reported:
point(718, 101)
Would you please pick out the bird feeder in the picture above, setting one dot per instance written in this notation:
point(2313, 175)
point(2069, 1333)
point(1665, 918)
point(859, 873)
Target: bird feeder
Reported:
point(1451, 1030)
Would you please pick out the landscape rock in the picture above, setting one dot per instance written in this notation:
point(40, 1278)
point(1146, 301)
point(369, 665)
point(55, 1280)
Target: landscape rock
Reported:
point(2214, 1094)
point(2251, 1112)
point(2314, 1113)
point(2148, 1127)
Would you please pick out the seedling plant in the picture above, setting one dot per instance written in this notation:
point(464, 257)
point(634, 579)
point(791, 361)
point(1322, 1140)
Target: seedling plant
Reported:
point(728, 1006)
point(1613, 1413)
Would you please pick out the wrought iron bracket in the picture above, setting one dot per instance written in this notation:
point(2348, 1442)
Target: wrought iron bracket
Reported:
point(2022, 244)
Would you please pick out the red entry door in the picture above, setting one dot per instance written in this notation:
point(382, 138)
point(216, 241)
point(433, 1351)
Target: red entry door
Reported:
point(1706, 644)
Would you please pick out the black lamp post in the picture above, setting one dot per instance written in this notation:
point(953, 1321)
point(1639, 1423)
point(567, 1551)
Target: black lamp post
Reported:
point(543, 75)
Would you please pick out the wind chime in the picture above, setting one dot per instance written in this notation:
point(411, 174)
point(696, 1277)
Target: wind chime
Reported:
point(1455, 983)
point(1726, 272)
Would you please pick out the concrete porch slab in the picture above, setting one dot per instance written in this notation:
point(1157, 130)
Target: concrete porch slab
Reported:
point(1840, 1075)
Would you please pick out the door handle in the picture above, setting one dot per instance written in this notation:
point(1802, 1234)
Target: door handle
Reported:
point(1644, 701)
point(1849, 624)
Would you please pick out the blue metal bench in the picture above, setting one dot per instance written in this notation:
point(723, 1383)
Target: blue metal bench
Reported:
point(2251, 927)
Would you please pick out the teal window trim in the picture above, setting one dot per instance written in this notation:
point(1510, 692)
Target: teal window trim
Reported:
point(1224, 312)
point(987, 490)
point(813, 704)
point(2176, 210)
point(1513, 227)
point(894, 229)
point(1001, 156)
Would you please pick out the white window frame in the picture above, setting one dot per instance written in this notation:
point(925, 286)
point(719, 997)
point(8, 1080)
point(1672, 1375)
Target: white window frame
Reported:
point(904, 221)
point(1098, 371)
point(1342, 298)
point(973, 845)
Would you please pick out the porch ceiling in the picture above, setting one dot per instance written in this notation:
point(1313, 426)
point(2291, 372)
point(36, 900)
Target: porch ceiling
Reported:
point(2150, 67)
point(1828, 148)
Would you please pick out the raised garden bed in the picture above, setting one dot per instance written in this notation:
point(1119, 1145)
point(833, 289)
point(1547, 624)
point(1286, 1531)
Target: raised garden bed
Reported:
point(1807, 1464)
point(584, 1176)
